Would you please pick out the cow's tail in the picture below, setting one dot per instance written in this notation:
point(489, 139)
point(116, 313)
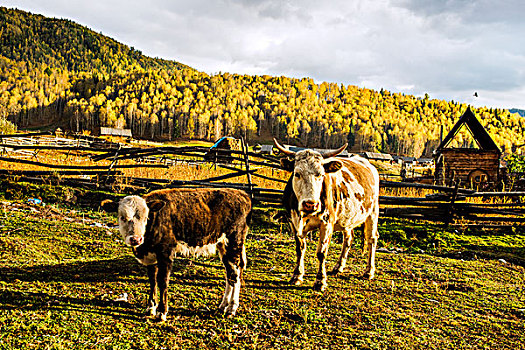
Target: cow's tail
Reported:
point(249, 216)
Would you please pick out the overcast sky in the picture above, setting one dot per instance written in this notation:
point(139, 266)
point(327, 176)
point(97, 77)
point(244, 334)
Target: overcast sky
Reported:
point(446, 48)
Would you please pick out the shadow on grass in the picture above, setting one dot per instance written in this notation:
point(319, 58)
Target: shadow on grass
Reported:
point(16, 300)
point(79, 271)
point(108, 270)
point(514, 255)
point(274, 284)
point(121, 269)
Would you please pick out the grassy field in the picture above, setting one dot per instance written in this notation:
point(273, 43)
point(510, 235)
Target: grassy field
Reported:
point(64, 270)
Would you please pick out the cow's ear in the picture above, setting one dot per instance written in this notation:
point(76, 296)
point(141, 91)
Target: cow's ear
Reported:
point(332, 166)
point(156, 205)
point(287, 163)
point(109, 205)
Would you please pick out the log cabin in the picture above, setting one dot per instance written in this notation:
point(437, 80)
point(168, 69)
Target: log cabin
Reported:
point(477, 168)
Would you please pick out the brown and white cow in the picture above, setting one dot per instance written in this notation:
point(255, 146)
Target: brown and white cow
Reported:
point(330, 194)
point(195, 222)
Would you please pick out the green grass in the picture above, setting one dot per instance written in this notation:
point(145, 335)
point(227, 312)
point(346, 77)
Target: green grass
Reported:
point(59, 279)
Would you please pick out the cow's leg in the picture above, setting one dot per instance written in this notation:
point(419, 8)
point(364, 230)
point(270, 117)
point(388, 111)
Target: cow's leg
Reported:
point(152, 297)
point(300, 250)
point(348, 235)
point(297, 226)
point(370, 243)
point(325, 234)
point(163, 279)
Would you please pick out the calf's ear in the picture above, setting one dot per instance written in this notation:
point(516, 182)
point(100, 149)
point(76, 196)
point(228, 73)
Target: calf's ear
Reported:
point(109, 205)
point(287, 163)
point(156, 205)
point(332, 166)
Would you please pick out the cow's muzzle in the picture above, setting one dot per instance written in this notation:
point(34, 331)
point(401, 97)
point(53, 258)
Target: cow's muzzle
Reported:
point(309, 206)
point(135, 241)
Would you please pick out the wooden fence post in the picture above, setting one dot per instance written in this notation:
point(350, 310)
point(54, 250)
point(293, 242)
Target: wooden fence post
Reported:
point(450, 208)
point(247, 166)
point(115, 161)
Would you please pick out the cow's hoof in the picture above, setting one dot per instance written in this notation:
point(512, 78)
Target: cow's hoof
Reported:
point(368, 275)
point(296, 280)
point(229, 314)
point(335, 271)
point(151, 312)
point(160, 318)
point(222, 307)
point(156, 320)
point(230, 311)
point(320, 286)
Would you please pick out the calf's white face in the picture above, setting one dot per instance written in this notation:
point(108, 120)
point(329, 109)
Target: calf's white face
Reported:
point(133, 217)
point(308, 176)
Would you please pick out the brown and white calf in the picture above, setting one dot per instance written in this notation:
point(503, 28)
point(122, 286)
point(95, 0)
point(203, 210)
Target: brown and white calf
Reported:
point(196, 222)
point(330, 194)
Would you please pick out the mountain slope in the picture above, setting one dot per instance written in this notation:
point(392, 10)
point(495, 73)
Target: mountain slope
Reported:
point(65, 44)
point(519, 111)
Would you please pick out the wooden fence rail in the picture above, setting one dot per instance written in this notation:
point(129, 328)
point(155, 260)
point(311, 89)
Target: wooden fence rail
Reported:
point(446, 204)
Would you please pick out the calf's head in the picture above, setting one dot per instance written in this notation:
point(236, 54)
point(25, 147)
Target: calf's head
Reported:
point(133, 213)
point(309, 170)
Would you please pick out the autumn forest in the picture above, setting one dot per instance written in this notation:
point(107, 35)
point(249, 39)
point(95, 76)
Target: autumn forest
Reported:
point(54, 72)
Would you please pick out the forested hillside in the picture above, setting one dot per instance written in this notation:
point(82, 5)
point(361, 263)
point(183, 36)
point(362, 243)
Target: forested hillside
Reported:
point(57, 72)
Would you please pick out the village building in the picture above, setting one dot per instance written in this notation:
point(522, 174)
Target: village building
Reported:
point(477, 168)
point(105, 131)
point(377, 156)
point(263, 149)
point(220, 151)
point(345, 153)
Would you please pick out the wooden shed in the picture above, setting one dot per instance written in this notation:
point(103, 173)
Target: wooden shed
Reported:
point(474, 167)
point(219, 151)
point(105, 131)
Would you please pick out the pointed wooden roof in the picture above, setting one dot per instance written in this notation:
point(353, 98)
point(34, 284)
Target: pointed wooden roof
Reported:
point(480, 135)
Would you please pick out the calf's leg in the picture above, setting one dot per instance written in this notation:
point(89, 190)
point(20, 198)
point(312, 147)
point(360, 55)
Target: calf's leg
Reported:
point(228, 290)
point(234, 261)
point(230, 301)
point(152, 296)
point(163, 277)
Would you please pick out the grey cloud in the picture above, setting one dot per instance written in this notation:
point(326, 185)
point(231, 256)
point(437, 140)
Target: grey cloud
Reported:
point(477, 11)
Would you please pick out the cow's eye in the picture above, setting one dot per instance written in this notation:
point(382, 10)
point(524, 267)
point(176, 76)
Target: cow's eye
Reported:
point(123, 218)
point(297, 175)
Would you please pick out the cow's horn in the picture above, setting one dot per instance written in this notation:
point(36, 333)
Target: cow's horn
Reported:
point(335, 152)
point(282, 149)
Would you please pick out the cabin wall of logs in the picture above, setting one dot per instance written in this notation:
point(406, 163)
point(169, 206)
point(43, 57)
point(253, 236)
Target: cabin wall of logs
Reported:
point(473, 168)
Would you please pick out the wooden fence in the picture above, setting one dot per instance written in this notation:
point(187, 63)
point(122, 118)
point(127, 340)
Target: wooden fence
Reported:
point(445, 204)
point(454, 204)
